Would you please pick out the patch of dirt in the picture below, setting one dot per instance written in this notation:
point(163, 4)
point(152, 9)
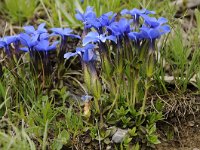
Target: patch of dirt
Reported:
point(184, 131)
point(189, 140)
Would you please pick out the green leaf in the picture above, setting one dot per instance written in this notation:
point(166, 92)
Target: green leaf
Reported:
point(136, 147)
point(153, 139)
point(127, 140)
point(132, 131)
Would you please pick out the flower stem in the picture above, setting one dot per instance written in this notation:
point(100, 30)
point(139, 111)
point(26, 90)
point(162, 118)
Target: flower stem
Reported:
point(145, 97)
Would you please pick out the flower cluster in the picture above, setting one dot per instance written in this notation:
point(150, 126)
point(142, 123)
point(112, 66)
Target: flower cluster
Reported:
point(36, 39)
point(121, 41)
point(141, 27)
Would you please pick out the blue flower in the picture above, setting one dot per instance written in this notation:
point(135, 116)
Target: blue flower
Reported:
point(107, 18)
point(28, 41)
point(121, 28)
point(96, 37)
point(87, 53)
point(136, 13)
point(37, 33)
point(31, 30)
point(45, 46)
point(153, 28)
point(86, 16)
point(153, 22)
point(6, 41)
point(154, 33)
point(135, 36)
point(64, 33)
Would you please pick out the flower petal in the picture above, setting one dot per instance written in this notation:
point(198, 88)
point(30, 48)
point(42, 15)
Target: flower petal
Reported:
point(69, 54)
point(29, 29)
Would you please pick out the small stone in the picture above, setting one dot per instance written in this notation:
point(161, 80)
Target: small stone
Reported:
point(108, 147)
point(119, 135)
point(195, 149)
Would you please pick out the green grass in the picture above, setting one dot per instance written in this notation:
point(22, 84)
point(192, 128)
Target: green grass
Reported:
point(19, 11)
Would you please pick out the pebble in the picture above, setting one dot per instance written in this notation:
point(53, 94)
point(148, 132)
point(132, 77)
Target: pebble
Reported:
point(119, 135)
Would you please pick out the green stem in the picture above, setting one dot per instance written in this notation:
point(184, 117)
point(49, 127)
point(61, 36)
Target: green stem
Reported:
point(96, 103)
point(115, 100)
point(145, 97)
point(135, 92)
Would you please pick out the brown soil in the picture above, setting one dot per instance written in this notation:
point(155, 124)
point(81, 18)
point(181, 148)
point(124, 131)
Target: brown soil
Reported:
point(186, 136)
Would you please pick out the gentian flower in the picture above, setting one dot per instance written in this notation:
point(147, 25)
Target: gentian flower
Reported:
point(28, 41)
point(121, 28)
point(136, 13)
point(107, 18)
point(87, 53)
point(154, 33)
point(6, 41)
point(64, 33)
point(101, 22)
point(45, 46)
point(136, 37)
point(152, 22)
point(84, 17)
point(96, 37)
point(32, 31)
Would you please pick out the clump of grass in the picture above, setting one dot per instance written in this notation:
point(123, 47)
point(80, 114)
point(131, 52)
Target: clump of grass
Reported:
point(20, 11)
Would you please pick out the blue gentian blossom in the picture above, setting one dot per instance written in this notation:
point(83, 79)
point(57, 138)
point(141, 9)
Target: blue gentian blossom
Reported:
point(135, 36)
point(96, 37)
point(153, 28)
point(121, 28)
point(64, 33)
point(107, 18)
point(152, 34)
point(6, 41)
point(28, 41)
point(136, 13)
point(87, 53)
point(32, 31)
point(45, 46)
point(101, 22)
point(152, 22)
point(86, 16)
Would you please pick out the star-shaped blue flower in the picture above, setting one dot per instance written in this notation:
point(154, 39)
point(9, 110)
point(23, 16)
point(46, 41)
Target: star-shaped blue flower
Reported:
point(152, 22)
point(64, 33)
point(96, 37)
point(87, 53)
point(6, 41)
point(107, 18)
point(45, 46)
point(121, 28)
point(31, 30)
point(36, 33)
point(86, 17)
point(28, 41)
point(136, 13)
